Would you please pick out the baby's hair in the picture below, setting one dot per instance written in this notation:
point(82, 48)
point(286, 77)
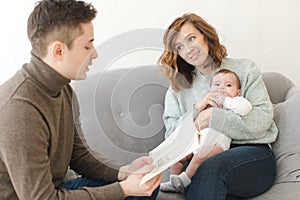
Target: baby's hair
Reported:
point(226, 71)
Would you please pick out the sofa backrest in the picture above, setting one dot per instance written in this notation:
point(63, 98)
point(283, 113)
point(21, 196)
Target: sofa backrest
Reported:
point(286, 99)
point(279, 86)
point(121, 110)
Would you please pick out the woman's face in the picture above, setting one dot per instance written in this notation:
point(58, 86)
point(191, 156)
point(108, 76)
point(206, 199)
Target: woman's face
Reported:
point(191, 45)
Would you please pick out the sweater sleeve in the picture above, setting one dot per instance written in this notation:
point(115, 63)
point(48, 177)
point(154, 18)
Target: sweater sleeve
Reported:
point(172, 116)
point(87, 162)
point(24, 151)
point(255, 125)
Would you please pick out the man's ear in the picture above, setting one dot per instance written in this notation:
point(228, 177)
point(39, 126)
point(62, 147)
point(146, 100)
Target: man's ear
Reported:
point(56, 49)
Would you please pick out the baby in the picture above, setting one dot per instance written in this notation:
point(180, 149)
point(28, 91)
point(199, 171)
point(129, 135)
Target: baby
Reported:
point(211, 142)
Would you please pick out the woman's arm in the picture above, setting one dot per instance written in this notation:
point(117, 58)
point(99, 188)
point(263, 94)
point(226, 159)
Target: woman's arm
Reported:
point(172, 113)
point(254, 125)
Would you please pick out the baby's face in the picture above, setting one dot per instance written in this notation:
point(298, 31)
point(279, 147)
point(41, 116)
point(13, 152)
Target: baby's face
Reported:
point(226, 82)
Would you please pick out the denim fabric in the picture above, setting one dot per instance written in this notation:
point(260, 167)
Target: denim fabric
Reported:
point(243, 171)
point(85, 182)
point(76, 183)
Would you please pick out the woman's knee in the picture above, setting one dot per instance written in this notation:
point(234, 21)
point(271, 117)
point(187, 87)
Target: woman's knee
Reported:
point(213, 166)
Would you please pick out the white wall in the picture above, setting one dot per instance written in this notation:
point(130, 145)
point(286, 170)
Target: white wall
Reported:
point(266, 31)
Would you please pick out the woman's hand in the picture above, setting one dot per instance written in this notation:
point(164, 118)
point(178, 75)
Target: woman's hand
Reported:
point(202, 120)
point(213, 99)
point(202, 106)
point(204, 103)
point(131, 185)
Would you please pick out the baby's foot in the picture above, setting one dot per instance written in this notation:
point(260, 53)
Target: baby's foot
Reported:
point(174, 185)
point(177, 183)
point(167, 187)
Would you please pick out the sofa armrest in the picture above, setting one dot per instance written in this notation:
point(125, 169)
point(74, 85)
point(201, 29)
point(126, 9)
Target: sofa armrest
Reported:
point(293, 90)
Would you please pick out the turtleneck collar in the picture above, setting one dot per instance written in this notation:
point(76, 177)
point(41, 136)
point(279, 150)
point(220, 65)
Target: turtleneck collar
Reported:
point(45, 76)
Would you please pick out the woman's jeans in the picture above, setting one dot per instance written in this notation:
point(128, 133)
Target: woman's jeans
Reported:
point(243, 171)
point(85, 182)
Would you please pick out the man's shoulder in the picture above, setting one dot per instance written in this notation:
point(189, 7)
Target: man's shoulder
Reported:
point(10, 87)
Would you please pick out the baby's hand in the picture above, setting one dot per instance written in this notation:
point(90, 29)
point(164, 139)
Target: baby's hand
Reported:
point(204, 103)
point(217, 97)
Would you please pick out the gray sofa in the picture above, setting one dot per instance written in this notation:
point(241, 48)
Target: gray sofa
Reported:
point(121, 113)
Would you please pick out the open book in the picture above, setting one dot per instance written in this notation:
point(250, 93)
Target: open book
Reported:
point(183, 141)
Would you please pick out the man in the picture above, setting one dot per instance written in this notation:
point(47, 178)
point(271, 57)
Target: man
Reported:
point(39, 117)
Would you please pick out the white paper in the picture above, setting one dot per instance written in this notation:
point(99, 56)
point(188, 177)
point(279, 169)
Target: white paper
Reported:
point(182, 142)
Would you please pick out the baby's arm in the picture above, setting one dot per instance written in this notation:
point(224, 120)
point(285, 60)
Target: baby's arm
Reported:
point(239, 105)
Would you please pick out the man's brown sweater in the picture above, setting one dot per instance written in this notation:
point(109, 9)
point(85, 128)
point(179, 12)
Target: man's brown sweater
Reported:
point(40, 136)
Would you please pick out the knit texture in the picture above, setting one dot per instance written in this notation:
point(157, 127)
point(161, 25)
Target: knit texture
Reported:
point(256, 127)
point(41, 136)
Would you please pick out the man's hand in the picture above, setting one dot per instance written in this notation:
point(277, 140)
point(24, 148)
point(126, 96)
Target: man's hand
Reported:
point(137, 164)
point(131, 185)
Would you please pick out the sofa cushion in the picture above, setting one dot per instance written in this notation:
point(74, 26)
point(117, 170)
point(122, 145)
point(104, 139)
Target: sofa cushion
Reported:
point(121, 111)
point(287, 147)
point(281, 191)
point(170, 196)
point(278, 85)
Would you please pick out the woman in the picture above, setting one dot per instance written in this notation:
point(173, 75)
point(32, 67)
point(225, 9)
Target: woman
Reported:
point(192, 54)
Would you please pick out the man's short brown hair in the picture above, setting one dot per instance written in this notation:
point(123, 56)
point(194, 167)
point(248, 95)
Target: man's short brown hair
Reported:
point(57, 20)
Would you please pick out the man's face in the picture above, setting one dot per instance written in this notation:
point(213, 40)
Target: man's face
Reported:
point(78, 59)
